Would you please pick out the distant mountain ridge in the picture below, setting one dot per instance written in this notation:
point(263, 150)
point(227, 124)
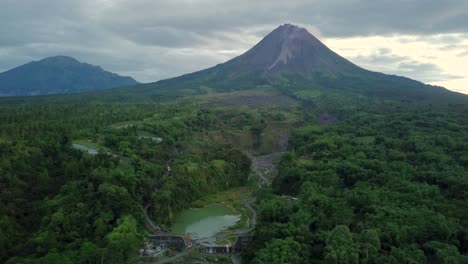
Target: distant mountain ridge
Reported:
point(289, 60)
point(58, 75)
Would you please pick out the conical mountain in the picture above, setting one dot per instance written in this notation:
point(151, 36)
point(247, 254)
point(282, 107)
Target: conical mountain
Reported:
point(291, 59)
point(58, 75)
point(287, 50)
point(294, 50)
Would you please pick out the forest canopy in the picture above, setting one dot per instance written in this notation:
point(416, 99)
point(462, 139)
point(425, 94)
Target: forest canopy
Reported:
point(381, 186)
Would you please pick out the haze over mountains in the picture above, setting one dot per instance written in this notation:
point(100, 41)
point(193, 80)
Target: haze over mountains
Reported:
point(58, 75)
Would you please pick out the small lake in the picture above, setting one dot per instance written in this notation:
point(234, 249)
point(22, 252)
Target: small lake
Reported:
point(85, 148)
point(205, 222)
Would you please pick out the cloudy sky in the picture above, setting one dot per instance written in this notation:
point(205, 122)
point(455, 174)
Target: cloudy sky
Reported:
point(426, 40)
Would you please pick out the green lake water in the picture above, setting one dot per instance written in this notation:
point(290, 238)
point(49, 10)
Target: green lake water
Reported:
point(205, 222)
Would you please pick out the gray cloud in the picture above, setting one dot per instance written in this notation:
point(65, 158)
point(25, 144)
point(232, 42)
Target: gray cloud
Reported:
point(456, 46)
point(425, 72)
point(385, 61)
point(464, 54)
point(446, 42)
point(157, 39)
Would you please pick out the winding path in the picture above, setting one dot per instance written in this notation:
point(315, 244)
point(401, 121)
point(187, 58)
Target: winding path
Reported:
point(253, 217)
point(149, 223)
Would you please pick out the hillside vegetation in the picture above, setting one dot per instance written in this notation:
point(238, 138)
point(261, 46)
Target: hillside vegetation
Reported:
point(71, 207)
point(385, 184)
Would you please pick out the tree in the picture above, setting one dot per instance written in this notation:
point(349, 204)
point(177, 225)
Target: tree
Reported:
point(280, 251)
point(276, 210)
point(89, 253)
point(406, 254)
point(444, 253)
point(340, 247)
point(123, 242)
point(56, 258)
point(369, 242)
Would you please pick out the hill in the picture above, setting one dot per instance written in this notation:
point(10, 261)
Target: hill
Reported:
point(58, 75)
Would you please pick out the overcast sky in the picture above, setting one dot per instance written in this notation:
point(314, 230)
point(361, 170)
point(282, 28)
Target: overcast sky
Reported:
point(426, 40)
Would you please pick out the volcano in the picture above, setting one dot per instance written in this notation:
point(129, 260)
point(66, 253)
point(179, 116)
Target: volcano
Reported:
point(291, 59)
point(292, 49)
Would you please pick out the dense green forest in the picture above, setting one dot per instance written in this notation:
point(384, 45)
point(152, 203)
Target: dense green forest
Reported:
point(376, 181)
point(61, 205)
point(385, 184)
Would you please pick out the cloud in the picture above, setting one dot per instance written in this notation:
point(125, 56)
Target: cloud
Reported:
point(463, 54)
point(385, 61)
point(425, 72)
point(155, 39)
point(442, 39)
point(335, 18)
